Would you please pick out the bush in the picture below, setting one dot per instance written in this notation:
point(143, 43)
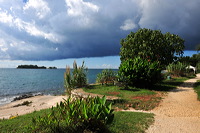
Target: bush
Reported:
point(177, 69)
point(140, 72)
point(76, 79)
point(198, 67)
point(77, 115)
point(106, 76)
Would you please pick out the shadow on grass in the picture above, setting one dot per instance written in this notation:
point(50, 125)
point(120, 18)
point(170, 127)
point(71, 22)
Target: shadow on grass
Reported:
point(130, 89)
point(117, 101)
point(96, 86)
point(171, 86)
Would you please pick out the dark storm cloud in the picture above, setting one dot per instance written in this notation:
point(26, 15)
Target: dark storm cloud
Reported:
point(50, 30)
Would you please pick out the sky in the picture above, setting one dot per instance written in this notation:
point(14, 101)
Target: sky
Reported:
point(57, 32)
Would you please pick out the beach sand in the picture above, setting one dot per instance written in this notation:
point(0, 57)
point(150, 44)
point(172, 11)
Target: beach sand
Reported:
point(38, 103)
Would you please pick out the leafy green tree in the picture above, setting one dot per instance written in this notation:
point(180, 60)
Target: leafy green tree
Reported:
point(193, 61)
point(152, 45)
point(140, 72)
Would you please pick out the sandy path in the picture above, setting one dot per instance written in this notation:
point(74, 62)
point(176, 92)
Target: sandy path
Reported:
point(179, 112)
point(38, 103)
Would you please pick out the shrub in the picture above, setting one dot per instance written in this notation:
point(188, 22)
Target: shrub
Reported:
point(140, 72)
point(77, 115)
point(76, 79)
point(177, 69)
point(106, 76)
point(198, 67)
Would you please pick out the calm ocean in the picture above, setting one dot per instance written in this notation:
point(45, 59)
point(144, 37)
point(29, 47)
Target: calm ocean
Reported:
point(17, 82)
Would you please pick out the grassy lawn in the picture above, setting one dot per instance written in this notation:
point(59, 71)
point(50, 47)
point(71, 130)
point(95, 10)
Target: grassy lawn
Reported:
point(128, 122)
point(20, 124)
point(138, 98)
point(197, 88)
point(131, 122)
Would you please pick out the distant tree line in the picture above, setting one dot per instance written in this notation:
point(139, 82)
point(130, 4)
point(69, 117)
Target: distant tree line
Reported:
point(193, 61)
point(34, 67)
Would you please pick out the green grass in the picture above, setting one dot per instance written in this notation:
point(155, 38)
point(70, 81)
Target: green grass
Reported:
point(131, 122)
point(131, 97)
point(197, 89)
point(128, 122)
point(20, 124)
point(118, 91)
point(138, 98)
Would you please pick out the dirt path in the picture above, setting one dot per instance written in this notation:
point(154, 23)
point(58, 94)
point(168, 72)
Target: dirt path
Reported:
point(179, 112)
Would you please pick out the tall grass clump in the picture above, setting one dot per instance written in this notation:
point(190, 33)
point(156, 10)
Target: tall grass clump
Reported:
point(77, 115)
point(75, 79)
point(177, 69)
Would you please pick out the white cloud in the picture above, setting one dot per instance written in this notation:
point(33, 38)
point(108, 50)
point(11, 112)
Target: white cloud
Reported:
point(5, 17)
point(3, 47)
point(128, 25)
point(106, 66)
point(80, 8)
point(40, 6)
point(30, 28)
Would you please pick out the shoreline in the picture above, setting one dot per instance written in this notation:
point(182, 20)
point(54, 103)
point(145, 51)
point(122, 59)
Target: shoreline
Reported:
point(36, 103)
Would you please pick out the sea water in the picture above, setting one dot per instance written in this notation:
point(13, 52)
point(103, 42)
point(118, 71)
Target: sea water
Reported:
point(17, 82)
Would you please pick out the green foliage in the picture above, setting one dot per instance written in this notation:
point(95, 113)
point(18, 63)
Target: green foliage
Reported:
point(129, 122)
point(140, 72)
point(77, 115)
point(106, 76)
point(177, 69)
point(198, 67)
point(197, 89)
point(152, 45)
point(76, 79)
point(193, 61)
point(79, 75)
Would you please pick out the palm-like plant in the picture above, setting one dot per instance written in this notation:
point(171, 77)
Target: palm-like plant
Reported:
point(76, 79)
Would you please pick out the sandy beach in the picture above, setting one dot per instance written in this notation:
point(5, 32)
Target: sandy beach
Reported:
point(37, 103)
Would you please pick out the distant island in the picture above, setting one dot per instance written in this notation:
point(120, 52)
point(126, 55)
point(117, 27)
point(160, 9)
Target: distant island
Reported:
point(33, 67)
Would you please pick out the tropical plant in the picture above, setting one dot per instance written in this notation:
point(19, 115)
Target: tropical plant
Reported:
point(177, 69)
point(106, 76)
point(68, 81)
point(76, 79)
point(198, 67)
point(77, 115)
point(140, 72)
point(152, 45)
